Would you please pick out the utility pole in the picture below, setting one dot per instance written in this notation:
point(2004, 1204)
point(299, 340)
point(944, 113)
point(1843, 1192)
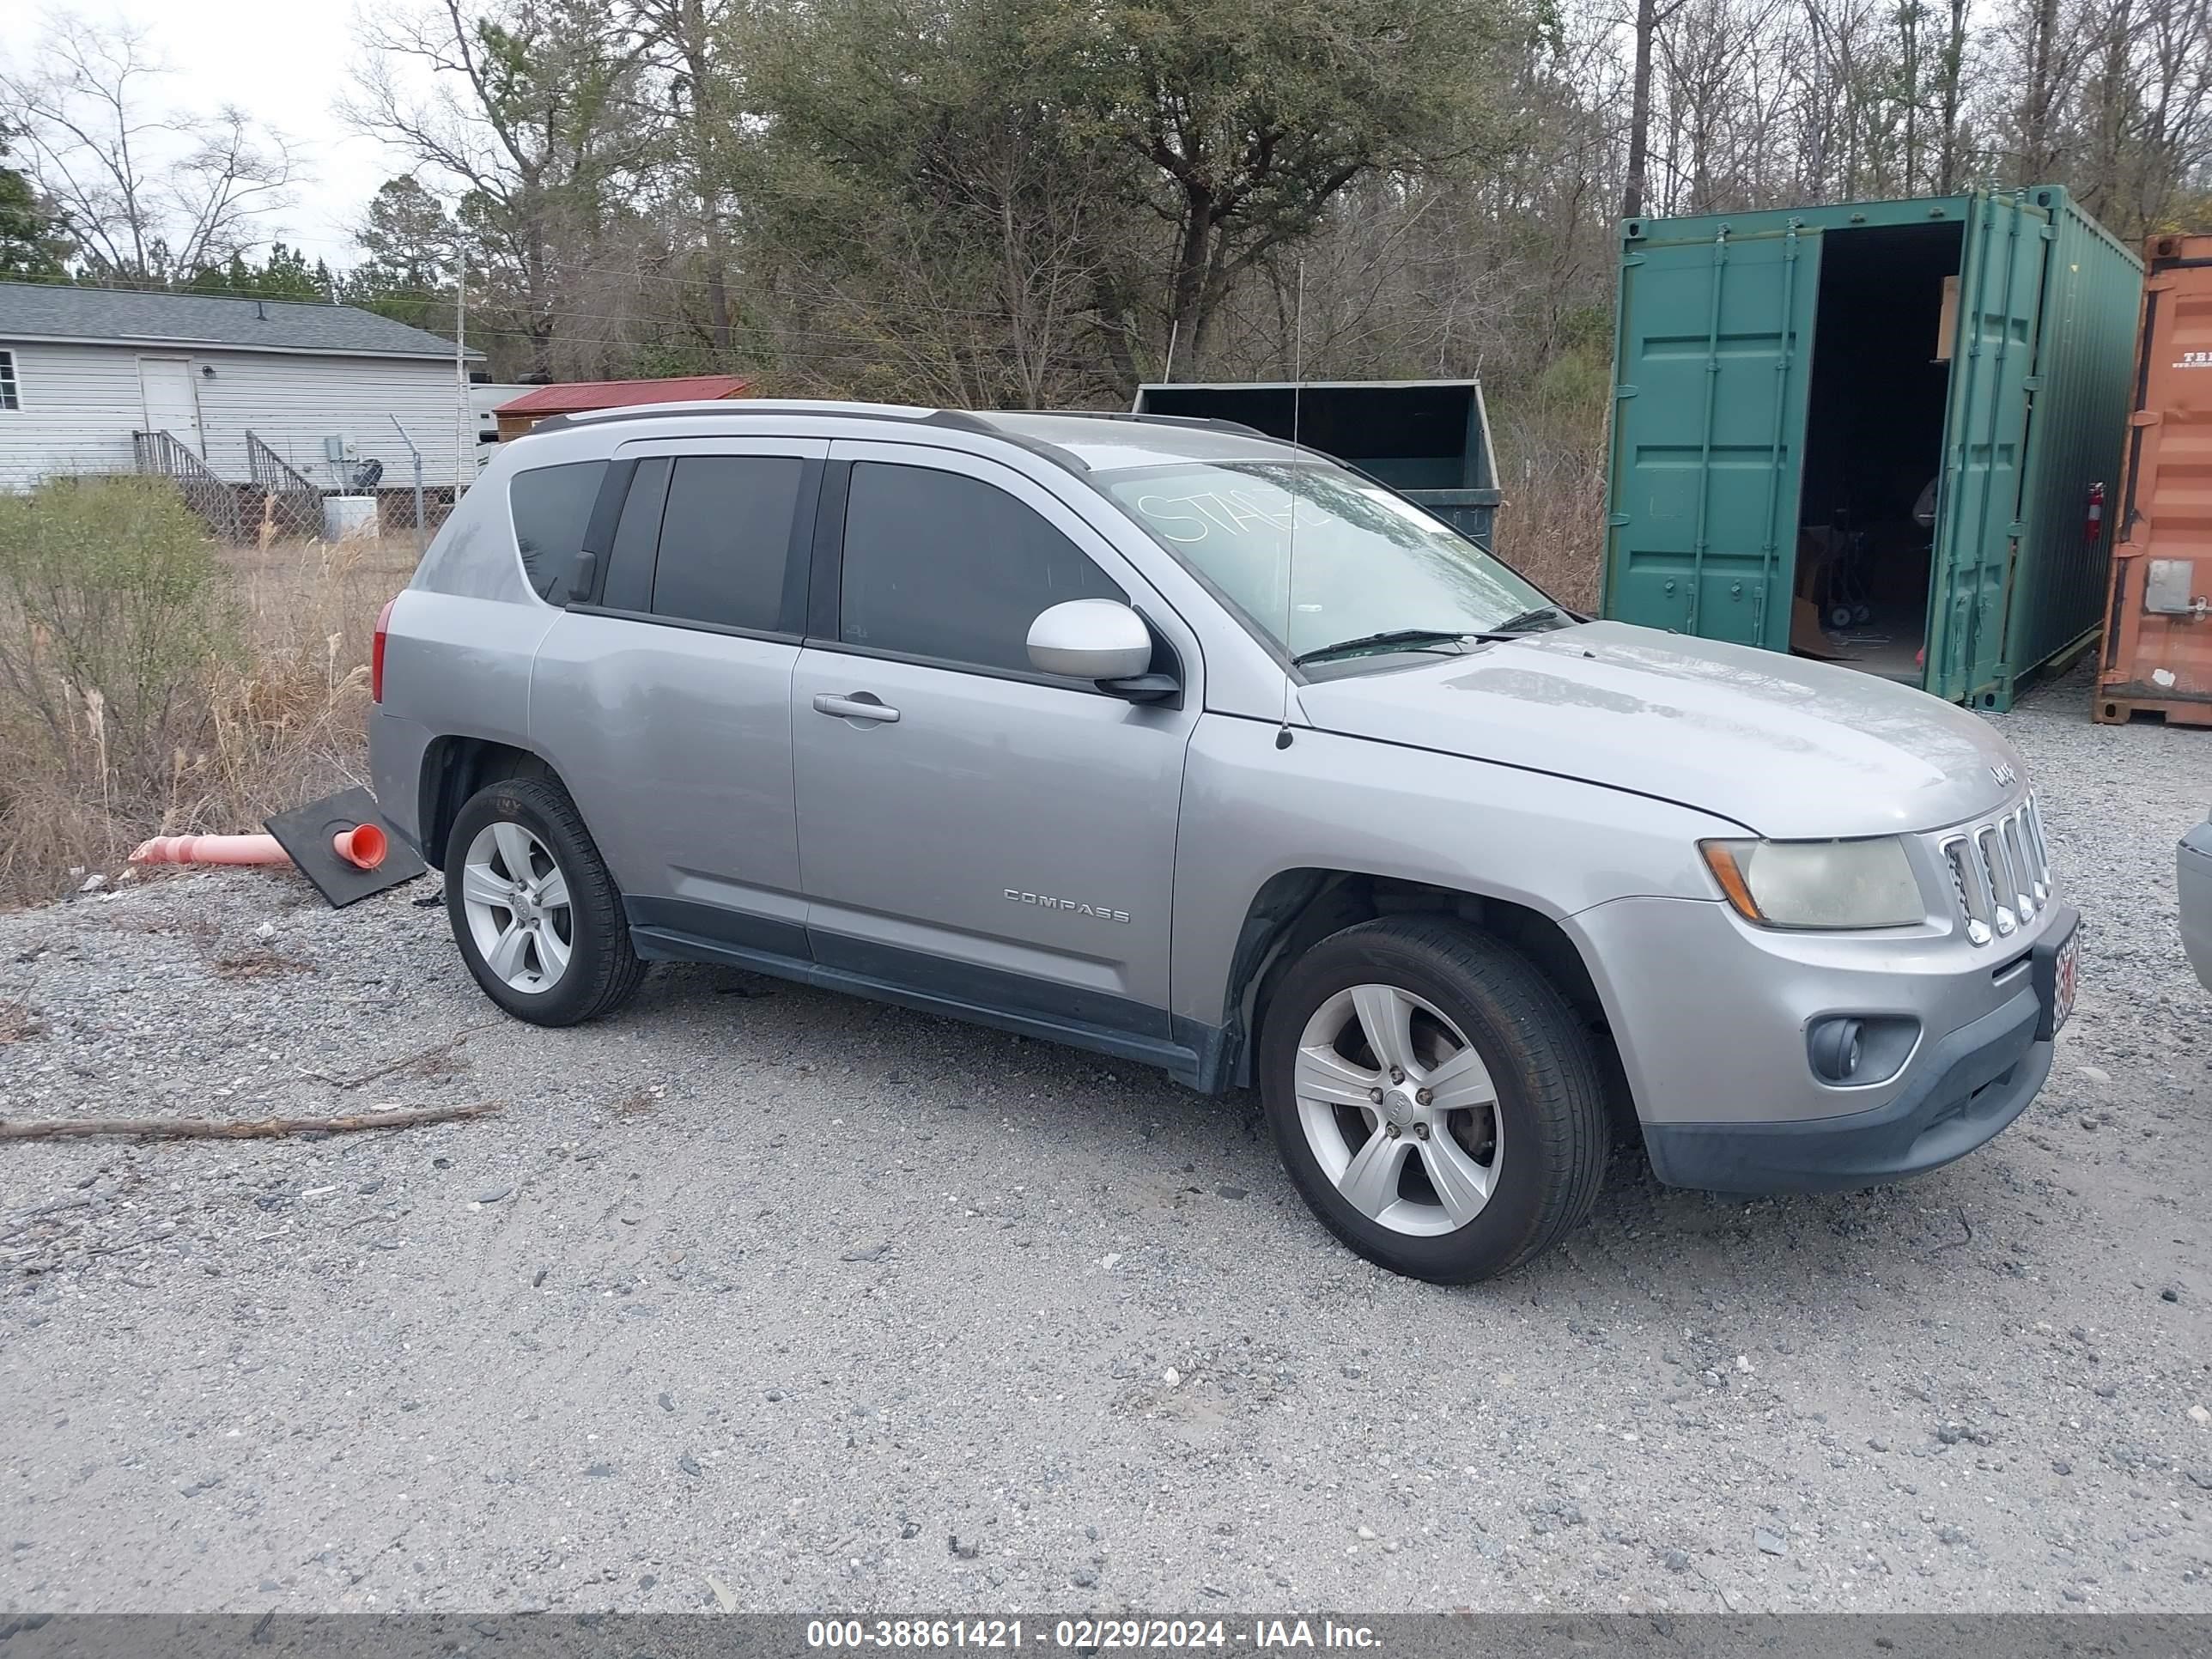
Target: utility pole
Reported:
point(464, 419)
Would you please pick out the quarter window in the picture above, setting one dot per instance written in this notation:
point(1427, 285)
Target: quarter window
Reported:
point(552, 507)
point(950, 568)
point(628, 585)
point(725, 540)
point(11, 391)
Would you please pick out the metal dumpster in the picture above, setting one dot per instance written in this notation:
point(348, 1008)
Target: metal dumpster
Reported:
point(1429, 438)
point(1872, 432)
point(2157, 655)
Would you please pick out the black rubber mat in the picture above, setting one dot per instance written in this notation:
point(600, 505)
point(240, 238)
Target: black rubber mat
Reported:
point(306, 832)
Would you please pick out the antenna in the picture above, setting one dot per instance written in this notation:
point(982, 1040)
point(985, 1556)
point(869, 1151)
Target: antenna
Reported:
point(1290, 550)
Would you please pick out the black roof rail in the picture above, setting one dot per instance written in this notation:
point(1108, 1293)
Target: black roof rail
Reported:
point(1146, 417)
point(729, 406)
point(957, 420)
point(966, 419)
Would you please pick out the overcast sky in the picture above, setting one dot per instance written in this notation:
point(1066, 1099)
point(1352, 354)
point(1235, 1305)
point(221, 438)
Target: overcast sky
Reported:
point(284, 61)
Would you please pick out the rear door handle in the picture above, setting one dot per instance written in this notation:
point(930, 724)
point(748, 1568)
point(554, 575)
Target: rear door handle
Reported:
point(860, 706)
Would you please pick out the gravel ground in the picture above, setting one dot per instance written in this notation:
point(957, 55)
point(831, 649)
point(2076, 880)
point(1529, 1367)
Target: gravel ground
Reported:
point(759, 1297)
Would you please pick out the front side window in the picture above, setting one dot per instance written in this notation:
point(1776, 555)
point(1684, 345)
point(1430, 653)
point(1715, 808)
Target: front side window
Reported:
point(948, 568)
point(1316, 556)
point(552, 507)
point(11, 391)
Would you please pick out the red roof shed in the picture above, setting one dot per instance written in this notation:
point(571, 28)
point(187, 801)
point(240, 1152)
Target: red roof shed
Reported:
point(518, 415)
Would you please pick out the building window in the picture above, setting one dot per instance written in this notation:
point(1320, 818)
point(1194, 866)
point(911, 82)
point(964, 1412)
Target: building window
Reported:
point(10, 393)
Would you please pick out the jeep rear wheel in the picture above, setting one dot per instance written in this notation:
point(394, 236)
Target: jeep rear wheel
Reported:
point(534, 908)
point(1436, 1101)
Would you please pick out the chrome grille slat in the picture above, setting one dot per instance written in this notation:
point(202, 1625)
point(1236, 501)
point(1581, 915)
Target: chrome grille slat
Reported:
point(1986, 842)
point(2032, 815)
point(2023, 879)
point(1999, 871)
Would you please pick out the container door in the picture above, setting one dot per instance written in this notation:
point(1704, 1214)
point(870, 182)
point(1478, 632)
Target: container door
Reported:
point(1978, 513)
point(1712, 367)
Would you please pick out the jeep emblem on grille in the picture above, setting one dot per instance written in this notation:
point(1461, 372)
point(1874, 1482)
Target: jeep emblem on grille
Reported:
point(2005, 775)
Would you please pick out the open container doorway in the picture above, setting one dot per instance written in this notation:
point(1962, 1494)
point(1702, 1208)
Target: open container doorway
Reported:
point(1887, 301)
point(1799, 463)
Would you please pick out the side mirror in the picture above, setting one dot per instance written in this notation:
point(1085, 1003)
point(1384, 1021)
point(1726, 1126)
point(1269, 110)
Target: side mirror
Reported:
point(1091, 640)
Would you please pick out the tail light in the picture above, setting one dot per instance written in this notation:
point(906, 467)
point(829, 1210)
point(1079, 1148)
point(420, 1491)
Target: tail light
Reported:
point(376, 651)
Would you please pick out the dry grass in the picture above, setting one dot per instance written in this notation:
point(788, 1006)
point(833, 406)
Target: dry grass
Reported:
point(1552, 529)
point(267, 712)
point(1551, 465)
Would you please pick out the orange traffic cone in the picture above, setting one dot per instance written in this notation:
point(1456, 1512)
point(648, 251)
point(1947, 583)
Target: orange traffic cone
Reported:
point(362, 846)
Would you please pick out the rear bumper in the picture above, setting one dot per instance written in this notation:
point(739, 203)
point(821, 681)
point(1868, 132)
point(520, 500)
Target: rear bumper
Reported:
point(2196, 882)
point(395, 747)
point(1968, 1087)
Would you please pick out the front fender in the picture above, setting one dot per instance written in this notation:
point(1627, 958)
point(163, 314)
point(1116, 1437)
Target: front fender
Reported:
point(1252, 811)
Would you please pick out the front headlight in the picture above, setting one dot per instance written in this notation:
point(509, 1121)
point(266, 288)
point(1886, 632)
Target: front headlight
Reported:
point(1817, 883)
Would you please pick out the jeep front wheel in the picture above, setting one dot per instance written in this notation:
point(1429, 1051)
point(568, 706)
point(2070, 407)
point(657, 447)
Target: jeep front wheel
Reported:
point(1435, 1099)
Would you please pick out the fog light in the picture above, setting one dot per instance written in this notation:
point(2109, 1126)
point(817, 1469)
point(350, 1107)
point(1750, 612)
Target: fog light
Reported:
point(1835, 1047)
point(1860, 1049)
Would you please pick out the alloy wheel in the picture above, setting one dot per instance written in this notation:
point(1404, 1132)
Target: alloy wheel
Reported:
point(1399, 1109)
point(516, 900)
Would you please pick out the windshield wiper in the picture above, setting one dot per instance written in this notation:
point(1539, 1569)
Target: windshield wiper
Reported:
point(1527, 620)
point(1389, 636)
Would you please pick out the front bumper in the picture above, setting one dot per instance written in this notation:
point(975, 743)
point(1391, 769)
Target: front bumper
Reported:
point(1968, 1088)
point(2196, 878)
point(1711, 1018)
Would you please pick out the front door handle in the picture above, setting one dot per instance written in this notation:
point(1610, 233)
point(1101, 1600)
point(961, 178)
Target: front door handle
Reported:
point(860, 706)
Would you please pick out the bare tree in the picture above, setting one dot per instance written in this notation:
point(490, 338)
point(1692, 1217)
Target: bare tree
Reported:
point(691, 37)
point(1650, 17)
point(150, 195)
point(533, 113)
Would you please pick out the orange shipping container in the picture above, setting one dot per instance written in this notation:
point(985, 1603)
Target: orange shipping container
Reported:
point(2158, 626)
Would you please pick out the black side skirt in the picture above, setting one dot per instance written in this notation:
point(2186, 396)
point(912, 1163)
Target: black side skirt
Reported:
point(1196, 1055)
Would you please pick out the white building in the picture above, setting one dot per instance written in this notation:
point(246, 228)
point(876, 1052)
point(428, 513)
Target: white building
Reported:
point(86, 373)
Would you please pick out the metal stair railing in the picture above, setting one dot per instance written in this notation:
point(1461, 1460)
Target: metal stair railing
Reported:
point(162, 455)
point(296, 505)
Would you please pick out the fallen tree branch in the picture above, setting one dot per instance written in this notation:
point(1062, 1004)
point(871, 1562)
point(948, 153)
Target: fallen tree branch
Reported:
point(205, 1128)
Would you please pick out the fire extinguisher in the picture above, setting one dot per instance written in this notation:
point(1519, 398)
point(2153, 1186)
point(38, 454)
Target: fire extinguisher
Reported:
point(2095, 527)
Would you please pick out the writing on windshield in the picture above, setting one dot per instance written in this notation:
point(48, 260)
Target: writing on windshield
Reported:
point(1191, 519)
point(1363, 560)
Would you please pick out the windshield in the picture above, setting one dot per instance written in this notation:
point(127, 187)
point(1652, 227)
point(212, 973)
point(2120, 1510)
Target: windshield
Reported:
point(1369, 562)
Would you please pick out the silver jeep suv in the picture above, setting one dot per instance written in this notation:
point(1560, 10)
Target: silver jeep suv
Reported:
point(1170, 741)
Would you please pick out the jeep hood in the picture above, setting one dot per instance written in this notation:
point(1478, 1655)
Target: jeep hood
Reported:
point(1785, 746)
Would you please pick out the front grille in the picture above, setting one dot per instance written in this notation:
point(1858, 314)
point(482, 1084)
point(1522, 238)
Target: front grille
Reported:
point(1999, 872)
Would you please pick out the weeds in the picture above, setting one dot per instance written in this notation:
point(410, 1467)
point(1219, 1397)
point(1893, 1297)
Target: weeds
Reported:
point(1551, 463)
point(154, 683)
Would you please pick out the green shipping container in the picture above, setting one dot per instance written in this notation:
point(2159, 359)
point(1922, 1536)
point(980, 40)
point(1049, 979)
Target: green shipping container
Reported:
point(1872, 432)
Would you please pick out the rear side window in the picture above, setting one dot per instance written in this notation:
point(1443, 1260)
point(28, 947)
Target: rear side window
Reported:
point(552, 507)
point(725, 540)
point(949, 568)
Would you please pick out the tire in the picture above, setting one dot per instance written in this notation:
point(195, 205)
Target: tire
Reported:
point(556, 964)
point(1532, 1099)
